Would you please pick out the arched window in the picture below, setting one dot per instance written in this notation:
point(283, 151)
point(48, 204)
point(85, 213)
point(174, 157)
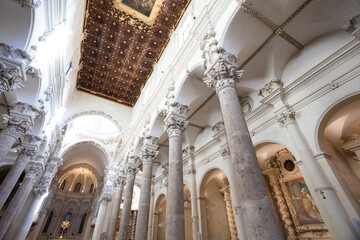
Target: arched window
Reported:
point(91, 188)
point(65, 224)
point(63, 185)
point(77, 187)
point(48, 221)
point(83, 219)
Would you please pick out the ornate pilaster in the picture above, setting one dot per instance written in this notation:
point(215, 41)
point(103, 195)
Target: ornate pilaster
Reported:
point(272, 171)
point(220, 66)
point(50, 171)
point(230, 212)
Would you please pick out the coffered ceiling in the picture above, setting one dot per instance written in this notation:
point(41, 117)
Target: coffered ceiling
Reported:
point(123, 39)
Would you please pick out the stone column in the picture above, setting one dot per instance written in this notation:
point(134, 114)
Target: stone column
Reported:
point(222, 75)
point(14, 127)
point(125, 213)
point(40, 190)
point(105, 198)
point(148, 155)
point(334, 215)
point(151, 214)
point(29, 216)
point(19, 198)
point(194, 207)
point(272, 172)
point(230, 212)
point(119, 187)
point(175, 124)
point(25, 152)
point(104, 201)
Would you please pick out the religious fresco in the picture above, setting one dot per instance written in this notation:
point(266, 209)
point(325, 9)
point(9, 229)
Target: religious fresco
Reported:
point(306, 210)
point(143, 6)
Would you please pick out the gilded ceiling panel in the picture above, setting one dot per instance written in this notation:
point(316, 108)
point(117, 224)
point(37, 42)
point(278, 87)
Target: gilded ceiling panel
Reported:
point(123, 39)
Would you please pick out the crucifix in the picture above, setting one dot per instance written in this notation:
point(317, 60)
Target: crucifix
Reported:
point(322, 194)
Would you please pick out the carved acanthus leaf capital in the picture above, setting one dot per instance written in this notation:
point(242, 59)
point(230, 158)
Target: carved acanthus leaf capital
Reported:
point(28, 151)
point(270, 87)
point(16, 126)
point(188, 150)
point(220, 66)
point(287, 117)
point(10, 78)
point(218, 127)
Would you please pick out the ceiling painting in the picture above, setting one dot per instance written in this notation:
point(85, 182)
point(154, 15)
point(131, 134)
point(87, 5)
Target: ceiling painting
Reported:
point(123, 40)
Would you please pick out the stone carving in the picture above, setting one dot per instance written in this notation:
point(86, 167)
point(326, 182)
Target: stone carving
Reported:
point(30, 3)
point(246, 104)
point(17, 54)
point(218, 127)
point(191, 170)
point(175, 120)
point(270, 87)
point(189, 150)
point(225, 152)
point(28, 151)
point(220, 66)
point(353, 26)
point(350, 144)
point(10, 78)
point(149, 150)
point(28, 109)
point(230, 212)
point(16, 126)
point(287, 117)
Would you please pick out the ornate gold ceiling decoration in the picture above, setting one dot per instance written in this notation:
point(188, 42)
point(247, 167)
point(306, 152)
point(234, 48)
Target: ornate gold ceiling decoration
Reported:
point(123, 39)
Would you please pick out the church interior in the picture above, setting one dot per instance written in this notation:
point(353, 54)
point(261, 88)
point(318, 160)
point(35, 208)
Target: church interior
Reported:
point(180, 119)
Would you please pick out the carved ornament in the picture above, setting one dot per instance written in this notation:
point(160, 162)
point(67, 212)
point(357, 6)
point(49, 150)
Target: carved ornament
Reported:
point(270, 87)
point(287, 117)
point(16, 126)
point(10, 78)
point(219, 65)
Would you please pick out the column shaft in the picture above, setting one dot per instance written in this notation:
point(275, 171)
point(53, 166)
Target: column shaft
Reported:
point(115, 212)
point(100, 219)
point(6, 142)
point(175, 225)
point(255, 203)
point(125, 214)
point(194, 207)
point(336, 220)
point(28, 219)
point(12, 177)
point(144, 203)
point(17, 202)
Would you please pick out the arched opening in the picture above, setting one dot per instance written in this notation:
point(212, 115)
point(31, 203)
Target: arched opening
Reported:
point(339, 137)
point(295, 209)
point(160, 218)
point(63, 184)
point(217, 214)
point(82, 223)
point(48, 221)
point(77, 187)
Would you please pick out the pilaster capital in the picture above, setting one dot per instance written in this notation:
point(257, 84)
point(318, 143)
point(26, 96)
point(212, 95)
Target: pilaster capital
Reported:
point(29, 152)
point(287, 117)
point(219, 65)
point(105, 197)
point(189, 150)
point(33, 169)
point(40, 191)
point(16, 126)
point(10, 78)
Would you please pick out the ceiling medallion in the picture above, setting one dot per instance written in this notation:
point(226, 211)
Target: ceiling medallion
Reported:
point(144, 10)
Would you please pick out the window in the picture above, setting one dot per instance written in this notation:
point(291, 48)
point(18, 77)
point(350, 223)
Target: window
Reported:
point(63, 185)
point(91, 188)
point(83, 219)
point(48, 221)
point(65, 225)
point(77, 187)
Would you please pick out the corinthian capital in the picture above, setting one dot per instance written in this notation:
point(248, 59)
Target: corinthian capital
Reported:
point(287, 117)
point(220, 66)
point(16, 126)
point(10, 78)
point(175, 120)
point(149, 149)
